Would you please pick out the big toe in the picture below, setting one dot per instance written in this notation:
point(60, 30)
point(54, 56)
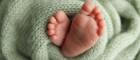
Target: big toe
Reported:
point(87, 7)
point(94, 12)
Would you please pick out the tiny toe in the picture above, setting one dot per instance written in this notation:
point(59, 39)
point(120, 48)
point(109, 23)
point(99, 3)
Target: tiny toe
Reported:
point(53, 20)
point(94, 12)
point(56, 41)
point(101, 25)
point(99, 17)
point(54, 38)
point(51, 26)
point(87, 7)
point(51, 32)
point(61, 16)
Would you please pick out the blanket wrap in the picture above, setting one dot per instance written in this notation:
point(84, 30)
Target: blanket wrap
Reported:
point(23, 33)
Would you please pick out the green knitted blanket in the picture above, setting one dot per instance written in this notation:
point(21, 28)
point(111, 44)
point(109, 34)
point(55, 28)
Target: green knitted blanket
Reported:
point(23, 35)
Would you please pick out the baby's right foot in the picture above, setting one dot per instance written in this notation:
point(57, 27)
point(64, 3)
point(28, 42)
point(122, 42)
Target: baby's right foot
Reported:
point(85, 30)
point(58, 27)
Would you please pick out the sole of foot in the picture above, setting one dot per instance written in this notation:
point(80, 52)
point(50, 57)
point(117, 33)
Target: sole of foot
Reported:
point(58, 27)
point(85, 30)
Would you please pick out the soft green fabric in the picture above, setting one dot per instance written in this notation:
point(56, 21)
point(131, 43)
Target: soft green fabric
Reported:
point(23, 35)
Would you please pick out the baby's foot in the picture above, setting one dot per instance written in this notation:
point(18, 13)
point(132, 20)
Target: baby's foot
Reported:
point(58, 27)
point(84, 32)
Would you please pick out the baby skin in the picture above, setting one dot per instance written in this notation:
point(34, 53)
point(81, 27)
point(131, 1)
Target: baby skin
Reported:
point(76, 37)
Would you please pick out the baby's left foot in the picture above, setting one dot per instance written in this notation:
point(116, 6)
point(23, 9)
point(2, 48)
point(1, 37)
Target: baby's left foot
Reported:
point(58, 27)
point(85, 30)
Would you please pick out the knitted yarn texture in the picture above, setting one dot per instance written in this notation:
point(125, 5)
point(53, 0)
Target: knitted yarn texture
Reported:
point(23, 33)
